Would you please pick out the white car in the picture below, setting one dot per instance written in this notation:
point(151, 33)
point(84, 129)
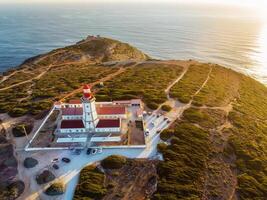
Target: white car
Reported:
point(100, 150)
point(94, 151)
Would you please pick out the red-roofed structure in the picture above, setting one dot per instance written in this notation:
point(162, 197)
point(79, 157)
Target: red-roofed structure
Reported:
point(72, 111)
point(108, 123)
point(111, 110)
point(70, 124)
point(75, 101)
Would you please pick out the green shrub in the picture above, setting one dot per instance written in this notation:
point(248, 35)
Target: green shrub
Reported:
point(166, 108)
point(91, 184)
point(166, 134)
point(162, 147)
point(57, 188)
point(152, 105)
point(18, 130)
point(17, 112)
point(113, 162)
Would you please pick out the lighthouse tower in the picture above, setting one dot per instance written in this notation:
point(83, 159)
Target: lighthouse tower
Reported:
point(90, 118)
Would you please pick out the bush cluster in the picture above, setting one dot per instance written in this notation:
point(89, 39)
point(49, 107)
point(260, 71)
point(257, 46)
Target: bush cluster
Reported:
point(113, 162)
point(166, 108)
point(19, 129)
point(91, 184)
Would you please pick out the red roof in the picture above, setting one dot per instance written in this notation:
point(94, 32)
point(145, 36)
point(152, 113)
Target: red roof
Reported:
point(75, 101)
point(71, 124)
point(72, 111)
point(111, 110)
point(108, 123)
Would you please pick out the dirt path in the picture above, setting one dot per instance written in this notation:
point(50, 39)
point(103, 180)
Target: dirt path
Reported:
point(28, 81)
point(106, 78)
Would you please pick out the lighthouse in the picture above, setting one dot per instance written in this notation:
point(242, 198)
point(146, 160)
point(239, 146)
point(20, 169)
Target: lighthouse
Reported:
point(90, 118)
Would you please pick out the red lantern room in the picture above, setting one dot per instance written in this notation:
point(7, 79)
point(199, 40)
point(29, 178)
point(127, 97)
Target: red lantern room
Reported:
point(87, 91)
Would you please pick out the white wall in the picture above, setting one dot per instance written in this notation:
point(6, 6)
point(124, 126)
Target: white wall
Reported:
point(70, 117)
point(112, 116)
point(105, 139)
point(72, 130)
point(108, 129)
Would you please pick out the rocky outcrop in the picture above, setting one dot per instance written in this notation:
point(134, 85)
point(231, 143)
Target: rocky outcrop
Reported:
point(30, 162)
point(45, 177)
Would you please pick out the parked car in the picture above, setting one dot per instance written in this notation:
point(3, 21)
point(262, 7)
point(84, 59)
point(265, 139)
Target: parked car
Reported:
point(158, 131)
point(100, 150)
point(66, 160)
point(89, 151)
point(168, 121)
point(55, 166)
point(94, 151)
point(77, 151)
point(55, 160)
point(165, 118)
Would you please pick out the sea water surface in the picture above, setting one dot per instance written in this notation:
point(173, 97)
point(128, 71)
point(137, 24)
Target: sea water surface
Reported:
point(229, 36)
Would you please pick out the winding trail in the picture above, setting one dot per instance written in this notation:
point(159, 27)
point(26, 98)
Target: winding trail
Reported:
point(106, 78)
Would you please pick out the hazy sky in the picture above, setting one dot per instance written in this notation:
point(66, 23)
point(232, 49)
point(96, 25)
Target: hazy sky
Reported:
point(250, 2)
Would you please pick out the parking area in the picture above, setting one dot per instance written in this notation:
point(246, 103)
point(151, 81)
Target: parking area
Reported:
point(154, 123)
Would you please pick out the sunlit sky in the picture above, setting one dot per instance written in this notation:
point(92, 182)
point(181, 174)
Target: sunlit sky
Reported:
point(260, 5)
point(242, 2)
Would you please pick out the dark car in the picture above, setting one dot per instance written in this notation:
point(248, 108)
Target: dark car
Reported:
point(89, 151)
point(158, 131)
point(55, 166)
point(77, 151)
point(66, 160)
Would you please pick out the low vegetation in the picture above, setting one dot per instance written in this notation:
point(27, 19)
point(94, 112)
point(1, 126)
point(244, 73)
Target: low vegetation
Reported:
point(91, 184)
point(181, 172)
point(147, 81)
point(166, 134)
point(206, 118)
point(221, 88)
point(201, 149)
point(63, 70)
point(113, 162)
point(248, 139)
point(137, 179)
point(166, 108)
point(190, 83)
point(56, 188)
point(22, 129)
point(12, 191)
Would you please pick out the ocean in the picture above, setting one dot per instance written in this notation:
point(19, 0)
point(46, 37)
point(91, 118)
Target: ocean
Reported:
point(229, 36)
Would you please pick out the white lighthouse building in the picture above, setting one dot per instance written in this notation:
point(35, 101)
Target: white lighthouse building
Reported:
point(90, 118)
point(87, 116)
